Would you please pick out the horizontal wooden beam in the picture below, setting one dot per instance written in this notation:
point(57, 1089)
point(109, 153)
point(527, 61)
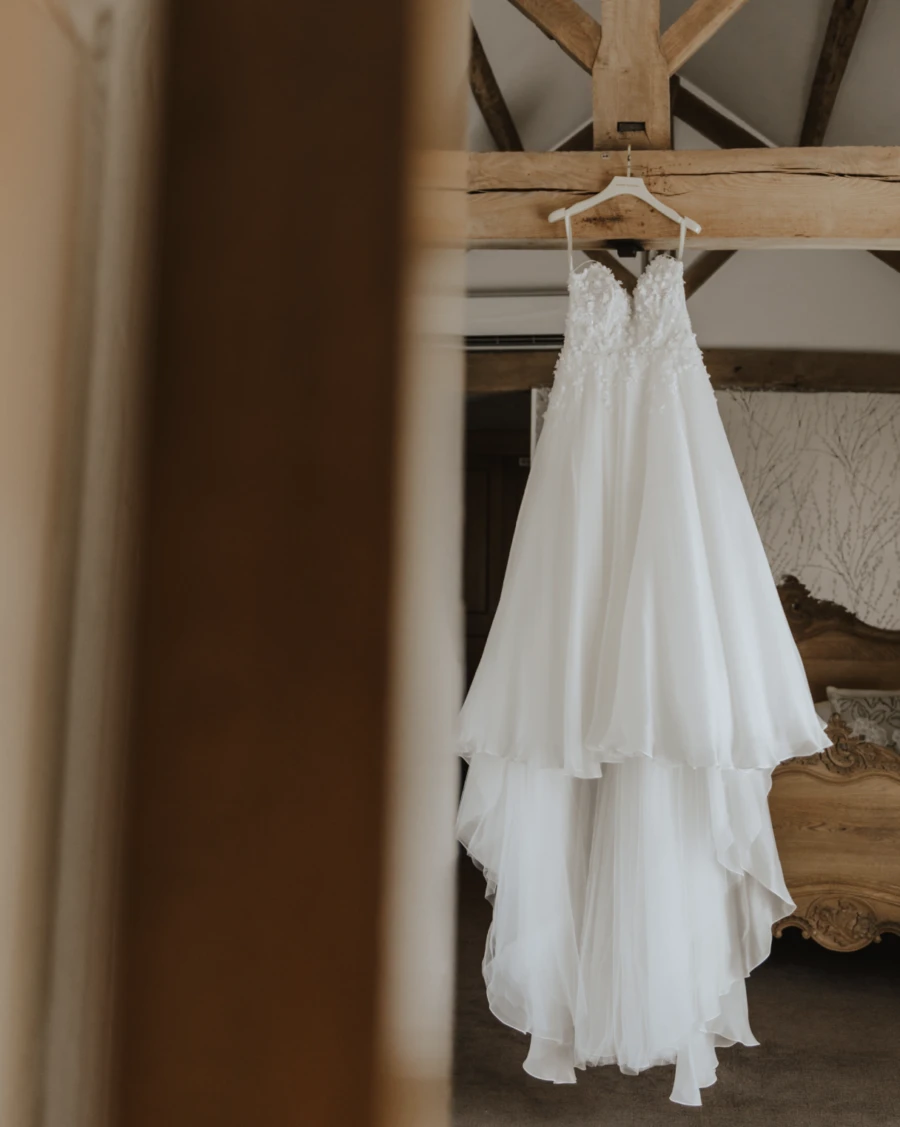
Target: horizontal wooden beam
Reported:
point(832, 197)
point(735, 369)
point(694, 28)
point(780, 369)
point(577, 32)
point(725, 133)
point(504, 370)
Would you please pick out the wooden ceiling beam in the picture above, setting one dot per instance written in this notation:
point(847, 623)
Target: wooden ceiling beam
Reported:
point(710, 123)
point(630, 79)
point(889, 258)
point(693, 111)
point(580, 35)
point(734, 369)
point(703, 268)
point(840, 35)
point(579, 142)
point(694, 28)
point(825, 197)
point(490, 100)
point(568, 24)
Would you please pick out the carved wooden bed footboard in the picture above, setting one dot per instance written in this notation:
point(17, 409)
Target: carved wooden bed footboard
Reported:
point(837, 821)
point(836, 815)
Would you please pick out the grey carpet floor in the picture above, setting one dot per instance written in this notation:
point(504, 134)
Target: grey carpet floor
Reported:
point(829, 1027)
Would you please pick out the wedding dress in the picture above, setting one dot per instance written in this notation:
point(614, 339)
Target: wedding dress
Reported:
point(638, 686)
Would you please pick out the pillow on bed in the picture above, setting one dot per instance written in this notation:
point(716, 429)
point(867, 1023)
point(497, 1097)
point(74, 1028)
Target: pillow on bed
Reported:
point(873, 714)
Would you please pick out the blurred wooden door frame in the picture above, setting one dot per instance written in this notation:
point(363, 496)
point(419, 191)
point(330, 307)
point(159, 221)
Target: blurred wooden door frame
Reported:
point(286, 943)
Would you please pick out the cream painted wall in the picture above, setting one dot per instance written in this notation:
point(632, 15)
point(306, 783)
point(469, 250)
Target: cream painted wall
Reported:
point(40, 102)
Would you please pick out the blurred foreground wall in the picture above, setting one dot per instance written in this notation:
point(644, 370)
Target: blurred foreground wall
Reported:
point(75, 136)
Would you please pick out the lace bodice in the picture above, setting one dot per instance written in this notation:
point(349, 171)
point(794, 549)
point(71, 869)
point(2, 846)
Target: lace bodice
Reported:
point(611, 335)
point(603, 316)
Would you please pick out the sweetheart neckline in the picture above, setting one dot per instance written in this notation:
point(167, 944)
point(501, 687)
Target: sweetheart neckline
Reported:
point(580, 271)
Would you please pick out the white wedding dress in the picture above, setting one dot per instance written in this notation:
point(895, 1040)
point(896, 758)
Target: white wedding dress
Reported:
point(638, 686)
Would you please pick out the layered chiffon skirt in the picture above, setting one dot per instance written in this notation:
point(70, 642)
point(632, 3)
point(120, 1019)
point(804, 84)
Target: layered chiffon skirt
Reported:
point(638, 686)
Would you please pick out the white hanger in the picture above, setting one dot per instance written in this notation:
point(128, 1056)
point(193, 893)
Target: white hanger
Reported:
point(626, 186)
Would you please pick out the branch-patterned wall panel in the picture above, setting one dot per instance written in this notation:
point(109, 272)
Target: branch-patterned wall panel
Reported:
point(822, 473)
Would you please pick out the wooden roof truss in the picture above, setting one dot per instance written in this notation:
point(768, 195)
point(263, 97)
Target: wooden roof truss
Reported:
point(746, 195)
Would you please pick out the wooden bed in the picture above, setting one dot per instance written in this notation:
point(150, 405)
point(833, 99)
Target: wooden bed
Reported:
point(837, 814)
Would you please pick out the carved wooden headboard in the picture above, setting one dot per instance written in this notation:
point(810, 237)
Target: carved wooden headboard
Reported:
point(836, 647)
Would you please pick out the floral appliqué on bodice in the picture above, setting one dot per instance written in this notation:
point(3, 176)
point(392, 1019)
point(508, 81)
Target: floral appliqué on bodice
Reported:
point(615, 340)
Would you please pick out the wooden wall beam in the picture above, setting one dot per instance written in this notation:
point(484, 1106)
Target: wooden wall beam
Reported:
point(694, 28)
point(748, 369)
point(568, 24)
point(630, 79)
point(779, 369)
point(840, 36)
point(582, 141)
point(831, 197)
point(490, 99)
point(703, 268)
point(889, 257)
point(492, 372)
point(710, 123)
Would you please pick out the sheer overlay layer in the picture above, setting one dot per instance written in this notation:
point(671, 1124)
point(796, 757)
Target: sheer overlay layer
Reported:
point(628, 910)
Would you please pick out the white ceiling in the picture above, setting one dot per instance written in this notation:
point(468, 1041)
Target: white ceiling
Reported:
point(760, 65)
